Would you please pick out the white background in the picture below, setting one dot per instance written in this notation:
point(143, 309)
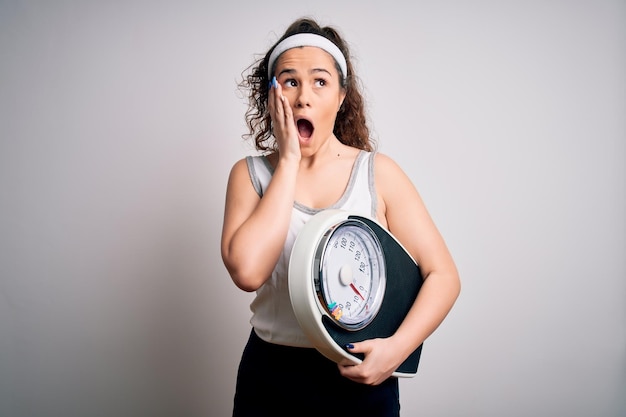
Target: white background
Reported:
point(119, 122)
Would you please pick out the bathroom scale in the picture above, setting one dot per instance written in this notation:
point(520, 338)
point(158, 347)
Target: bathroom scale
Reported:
point(351, 280)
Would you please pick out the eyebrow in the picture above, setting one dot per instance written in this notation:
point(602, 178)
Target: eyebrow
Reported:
point(313, 71)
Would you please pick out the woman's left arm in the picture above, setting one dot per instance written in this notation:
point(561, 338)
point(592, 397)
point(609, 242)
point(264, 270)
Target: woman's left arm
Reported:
point(402, 210)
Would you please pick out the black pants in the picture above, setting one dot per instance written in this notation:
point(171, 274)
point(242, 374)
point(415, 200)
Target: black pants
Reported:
point(275, 380)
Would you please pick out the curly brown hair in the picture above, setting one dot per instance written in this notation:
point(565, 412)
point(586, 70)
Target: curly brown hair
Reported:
point(351, 122)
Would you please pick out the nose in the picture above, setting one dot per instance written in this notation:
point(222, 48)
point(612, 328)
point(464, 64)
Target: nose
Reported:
point(303, 98)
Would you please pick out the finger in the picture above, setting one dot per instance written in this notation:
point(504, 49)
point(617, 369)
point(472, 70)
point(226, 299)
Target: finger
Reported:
point(282, 105)
point(284, 112)
point(287, 108)
point(270, 104)
point(352, 372)
point(273, 98)
point(361, 347)
point(349, 361)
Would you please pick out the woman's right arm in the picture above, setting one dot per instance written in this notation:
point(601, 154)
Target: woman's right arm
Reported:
point(254, 228)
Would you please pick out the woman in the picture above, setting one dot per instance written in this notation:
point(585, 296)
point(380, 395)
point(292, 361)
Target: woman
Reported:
point(307, 118)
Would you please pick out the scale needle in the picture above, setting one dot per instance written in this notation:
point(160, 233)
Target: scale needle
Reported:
point(356, 291)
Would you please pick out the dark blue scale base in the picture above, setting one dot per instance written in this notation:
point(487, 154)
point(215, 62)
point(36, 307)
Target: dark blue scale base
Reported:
point(404, 280)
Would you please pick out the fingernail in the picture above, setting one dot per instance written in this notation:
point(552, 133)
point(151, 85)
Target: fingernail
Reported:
point(349, 346)
point(274, 82)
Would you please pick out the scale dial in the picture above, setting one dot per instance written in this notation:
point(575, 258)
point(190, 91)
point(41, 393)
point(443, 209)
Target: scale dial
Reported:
point(351, 281)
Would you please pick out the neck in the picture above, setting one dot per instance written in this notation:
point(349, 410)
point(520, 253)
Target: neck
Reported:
point(330, 149)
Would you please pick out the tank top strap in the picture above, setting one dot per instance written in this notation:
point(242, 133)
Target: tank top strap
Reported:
point(360, 195)
point(260, 171)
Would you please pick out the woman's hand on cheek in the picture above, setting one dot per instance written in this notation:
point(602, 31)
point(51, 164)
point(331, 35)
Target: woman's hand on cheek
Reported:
point(284, 127)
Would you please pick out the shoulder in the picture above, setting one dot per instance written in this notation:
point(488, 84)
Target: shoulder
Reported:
point(240, 167)
point(255, 170)
point(382, 158)
point(240, 173)
point(387, 169)
point(393, 185)
point(247, 163)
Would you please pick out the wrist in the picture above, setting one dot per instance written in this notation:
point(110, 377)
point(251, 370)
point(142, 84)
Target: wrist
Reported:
point(288, 161)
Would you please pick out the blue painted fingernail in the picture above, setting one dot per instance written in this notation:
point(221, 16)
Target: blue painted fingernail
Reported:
point(274, 82)
point(349, 346)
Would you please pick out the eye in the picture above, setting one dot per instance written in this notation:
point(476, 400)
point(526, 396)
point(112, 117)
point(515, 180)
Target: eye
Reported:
point(290, 83)
point(320, 82)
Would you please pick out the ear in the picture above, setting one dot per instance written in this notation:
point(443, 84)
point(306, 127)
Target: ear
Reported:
point(342, 97)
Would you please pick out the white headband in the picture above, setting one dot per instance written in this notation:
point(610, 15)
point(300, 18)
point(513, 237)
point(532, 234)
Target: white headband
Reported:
point(307, 39)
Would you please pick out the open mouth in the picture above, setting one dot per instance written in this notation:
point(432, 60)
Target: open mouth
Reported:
point(305, 128)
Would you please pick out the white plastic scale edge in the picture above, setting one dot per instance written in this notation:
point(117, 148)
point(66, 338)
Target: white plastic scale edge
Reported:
point(306, 306)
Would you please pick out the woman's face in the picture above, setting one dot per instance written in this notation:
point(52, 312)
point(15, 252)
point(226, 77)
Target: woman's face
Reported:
point(310, 82)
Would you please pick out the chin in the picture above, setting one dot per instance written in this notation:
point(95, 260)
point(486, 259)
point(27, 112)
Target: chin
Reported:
point(305, 142)
point(307, 150)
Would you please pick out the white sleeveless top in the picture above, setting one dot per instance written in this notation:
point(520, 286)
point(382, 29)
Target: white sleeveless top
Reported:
point(272, 315)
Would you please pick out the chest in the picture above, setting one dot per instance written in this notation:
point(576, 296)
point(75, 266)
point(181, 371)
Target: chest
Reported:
point(323, 188)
